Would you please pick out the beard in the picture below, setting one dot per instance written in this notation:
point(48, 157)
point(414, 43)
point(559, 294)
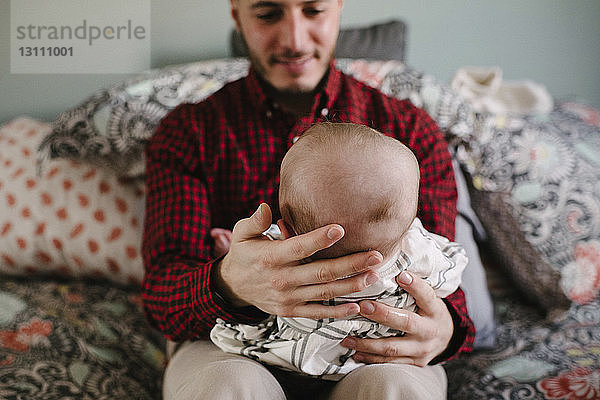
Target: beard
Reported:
point(293, 88)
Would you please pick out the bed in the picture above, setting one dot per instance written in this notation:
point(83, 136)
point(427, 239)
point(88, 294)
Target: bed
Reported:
point(71, 320)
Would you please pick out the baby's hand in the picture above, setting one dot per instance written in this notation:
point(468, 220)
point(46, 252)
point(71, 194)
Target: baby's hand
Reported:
point(222, 241)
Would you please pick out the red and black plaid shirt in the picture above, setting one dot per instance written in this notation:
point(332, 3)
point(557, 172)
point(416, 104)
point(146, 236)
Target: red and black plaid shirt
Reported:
point(211, 164)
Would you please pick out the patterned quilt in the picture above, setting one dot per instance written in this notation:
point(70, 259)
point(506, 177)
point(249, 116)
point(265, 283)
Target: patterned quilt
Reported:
point(76, 340)
point(536, 357)
point(90, 340)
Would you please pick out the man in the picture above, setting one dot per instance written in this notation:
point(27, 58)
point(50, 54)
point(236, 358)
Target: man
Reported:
point(210, 164)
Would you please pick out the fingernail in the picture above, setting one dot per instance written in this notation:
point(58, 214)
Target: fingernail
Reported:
point(366, 307)
point(405, 278)
point(257, 212)
point(353, 310)
point(371, 279)
point(334, 233)
point(373, 260)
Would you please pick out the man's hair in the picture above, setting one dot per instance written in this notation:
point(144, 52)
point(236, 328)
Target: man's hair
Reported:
point(333, 157)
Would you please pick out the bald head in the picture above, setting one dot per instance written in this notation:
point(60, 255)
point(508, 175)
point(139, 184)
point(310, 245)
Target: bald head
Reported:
point(354, 176)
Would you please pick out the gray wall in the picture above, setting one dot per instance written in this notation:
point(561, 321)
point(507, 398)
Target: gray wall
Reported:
point(553, 42)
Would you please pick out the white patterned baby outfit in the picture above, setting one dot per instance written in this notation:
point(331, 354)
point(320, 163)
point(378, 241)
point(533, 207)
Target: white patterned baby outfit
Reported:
point(313, 346)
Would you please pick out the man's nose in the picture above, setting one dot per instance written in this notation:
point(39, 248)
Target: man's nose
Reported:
point(294, 32)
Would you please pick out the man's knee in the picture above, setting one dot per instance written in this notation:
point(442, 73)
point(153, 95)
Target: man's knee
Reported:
point(222, 379)
point(389, 381)
point(383, 381)
point(239, 379)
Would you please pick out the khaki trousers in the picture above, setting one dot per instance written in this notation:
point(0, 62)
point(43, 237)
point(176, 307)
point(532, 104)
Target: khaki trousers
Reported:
point(200, 370)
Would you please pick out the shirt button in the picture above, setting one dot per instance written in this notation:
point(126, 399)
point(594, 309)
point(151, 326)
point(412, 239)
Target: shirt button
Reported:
point(324, 112)
point(295, 139)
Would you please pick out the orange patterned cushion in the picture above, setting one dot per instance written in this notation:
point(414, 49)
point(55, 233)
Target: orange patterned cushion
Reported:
point(74, 220)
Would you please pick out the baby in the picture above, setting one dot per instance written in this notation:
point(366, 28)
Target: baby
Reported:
point(368, 183)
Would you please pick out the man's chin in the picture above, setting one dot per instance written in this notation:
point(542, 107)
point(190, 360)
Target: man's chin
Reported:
point(302, 83)
point(294, 88)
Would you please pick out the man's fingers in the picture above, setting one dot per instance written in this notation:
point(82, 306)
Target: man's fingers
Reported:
point(329, 270)
point(338, 288)
point(254, 225)
point(395, 318)
point(299, 247)
point(382, 347)
point(369, 358)
point(294, 249)
point(422, 292)
point(320, 311)
point(388, 350)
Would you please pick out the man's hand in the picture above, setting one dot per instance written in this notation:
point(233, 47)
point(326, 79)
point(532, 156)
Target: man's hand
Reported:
point(271, 275)
point(428, 331)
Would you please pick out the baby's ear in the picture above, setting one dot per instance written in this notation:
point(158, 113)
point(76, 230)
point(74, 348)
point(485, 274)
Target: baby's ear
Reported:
point(286, 230)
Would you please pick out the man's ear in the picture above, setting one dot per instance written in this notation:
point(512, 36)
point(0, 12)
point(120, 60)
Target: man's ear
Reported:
point(235, 14)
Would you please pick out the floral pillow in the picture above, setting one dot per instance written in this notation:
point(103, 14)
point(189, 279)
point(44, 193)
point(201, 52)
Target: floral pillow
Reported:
point(73, 220)
point(110, 128)
point(545, 172)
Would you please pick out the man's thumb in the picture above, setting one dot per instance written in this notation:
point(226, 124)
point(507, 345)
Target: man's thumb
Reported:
point(256, 224)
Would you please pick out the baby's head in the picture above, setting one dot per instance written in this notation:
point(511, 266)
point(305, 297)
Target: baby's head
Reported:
point(351, 175)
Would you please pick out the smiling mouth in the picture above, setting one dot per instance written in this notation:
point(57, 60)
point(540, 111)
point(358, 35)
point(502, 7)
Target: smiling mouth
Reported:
point(295, 60)
point(295, 66)
point(292, 61)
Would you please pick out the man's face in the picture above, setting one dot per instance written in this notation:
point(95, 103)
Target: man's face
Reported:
point(291, 42)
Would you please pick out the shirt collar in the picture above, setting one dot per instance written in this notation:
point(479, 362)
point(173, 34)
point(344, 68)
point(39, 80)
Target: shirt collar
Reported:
point(332, 86)
point(256, 88)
